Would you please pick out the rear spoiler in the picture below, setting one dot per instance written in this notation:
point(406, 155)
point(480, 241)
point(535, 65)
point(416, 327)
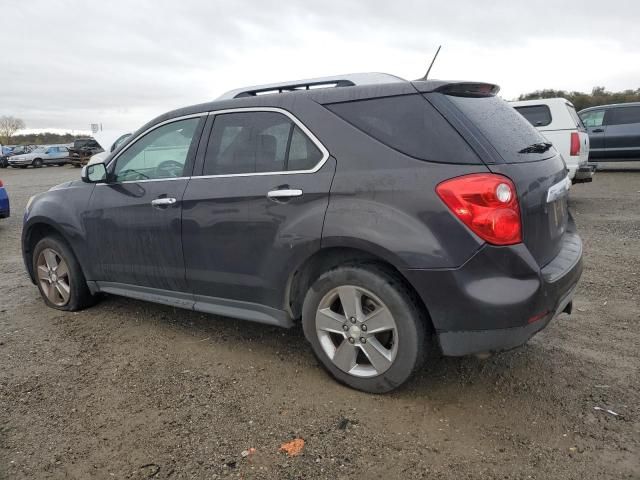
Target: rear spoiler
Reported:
point(459, 89)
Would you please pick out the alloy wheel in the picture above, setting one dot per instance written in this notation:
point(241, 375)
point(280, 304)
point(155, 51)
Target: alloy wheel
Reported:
point(357, 331)
point(53, 276)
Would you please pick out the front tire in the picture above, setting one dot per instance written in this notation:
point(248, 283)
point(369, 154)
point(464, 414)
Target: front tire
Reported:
point(365, 327)
point(59, 276)
point(37, 163)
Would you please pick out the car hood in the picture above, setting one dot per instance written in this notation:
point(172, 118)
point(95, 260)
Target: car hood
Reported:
point(72, 183)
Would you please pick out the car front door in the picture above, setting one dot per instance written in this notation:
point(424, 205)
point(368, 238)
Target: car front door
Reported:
point(255, 209)
point(594, 122)
point(133, 222)
point(623, 131)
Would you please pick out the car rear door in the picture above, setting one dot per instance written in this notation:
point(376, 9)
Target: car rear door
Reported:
point(256, 208)
point(622, 130)
point(593, 121)
point(133, 222)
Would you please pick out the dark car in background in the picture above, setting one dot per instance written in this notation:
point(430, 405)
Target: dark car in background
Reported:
point(614, 131)
point(378, 212)
point(82, 150)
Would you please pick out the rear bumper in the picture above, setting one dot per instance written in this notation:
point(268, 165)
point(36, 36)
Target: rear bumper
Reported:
point(499, 298)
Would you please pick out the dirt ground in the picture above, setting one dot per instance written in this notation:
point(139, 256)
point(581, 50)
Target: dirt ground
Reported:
point(133, 390)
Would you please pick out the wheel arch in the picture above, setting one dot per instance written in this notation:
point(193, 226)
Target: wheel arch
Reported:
point(331, 257)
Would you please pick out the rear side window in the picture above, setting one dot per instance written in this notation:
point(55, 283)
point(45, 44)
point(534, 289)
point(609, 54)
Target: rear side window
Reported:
point(537, 115)
point(622, 115)
point(409, 124)
point(258, 142)
point(503, 127)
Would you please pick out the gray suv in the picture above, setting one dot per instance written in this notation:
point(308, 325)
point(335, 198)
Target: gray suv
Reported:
point(614, 131)
point(379, 213)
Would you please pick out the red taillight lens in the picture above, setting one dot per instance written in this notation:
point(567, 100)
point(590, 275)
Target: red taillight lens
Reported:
point(487, 204)
point(575, 144)
point(1, 184)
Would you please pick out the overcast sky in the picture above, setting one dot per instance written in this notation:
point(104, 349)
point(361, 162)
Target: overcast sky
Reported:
point(70, 63)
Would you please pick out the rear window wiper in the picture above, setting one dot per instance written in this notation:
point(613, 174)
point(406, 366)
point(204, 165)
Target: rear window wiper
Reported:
point(537, 148)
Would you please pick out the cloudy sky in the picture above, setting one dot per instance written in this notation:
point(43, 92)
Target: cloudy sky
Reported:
point(69, 63)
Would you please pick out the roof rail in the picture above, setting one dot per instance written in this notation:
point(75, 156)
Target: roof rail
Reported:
point(348, 80)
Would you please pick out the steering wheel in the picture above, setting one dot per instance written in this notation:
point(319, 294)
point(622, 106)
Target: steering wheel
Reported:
point(169, 168)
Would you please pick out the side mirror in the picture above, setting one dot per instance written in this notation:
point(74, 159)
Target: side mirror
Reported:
point(96, 173)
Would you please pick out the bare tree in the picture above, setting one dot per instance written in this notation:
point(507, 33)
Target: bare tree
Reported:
point(8, 126)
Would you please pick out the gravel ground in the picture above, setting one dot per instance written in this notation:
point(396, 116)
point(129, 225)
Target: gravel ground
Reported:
point(133, 390)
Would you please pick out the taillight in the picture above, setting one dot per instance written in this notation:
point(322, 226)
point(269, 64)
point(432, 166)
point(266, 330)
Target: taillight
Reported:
point(575, 144)
point(1, 184)
point(487, 204)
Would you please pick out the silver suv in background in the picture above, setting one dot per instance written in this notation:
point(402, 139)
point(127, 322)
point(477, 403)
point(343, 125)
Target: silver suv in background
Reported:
point(52, 155)
point(614, 131)
point(556, 119)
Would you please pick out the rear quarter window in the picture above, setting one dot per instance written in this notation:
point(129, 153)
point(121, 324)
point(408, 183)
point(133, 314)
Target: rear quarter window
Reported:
point(622, 115)
point(408, 124)
point(537, 115)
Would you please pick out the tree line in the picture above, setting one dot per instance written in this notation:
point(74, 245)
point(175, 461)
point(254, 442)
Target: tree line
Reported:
point(580, 100)
point(46, 138)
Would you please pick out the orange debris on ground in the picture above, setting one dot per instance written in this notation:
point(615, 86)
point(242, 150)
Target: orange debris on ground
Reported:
point(293, 448)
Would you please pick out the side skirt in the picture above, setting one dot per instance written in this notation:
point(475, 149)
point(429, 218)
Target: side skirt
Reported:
point(218, 306)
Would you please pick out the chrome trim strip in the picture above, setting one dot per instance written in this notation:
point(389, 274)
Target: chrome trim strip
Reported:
point(558, 190)
point(293, 118)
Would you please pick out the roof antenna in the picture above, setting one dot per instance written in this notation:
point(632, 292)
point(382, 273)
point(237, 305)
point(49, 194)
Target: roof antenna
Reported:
point(426, 75)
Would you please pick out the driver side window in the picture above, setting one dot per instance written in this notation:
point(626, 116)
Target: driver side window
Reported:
point(161, 153)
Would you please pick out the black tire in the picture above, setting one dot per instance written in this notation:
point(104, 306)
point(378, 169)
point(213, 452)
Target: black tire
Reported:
point(37, 163)
point(410, 319)
point(4, 163)
point(80, 297)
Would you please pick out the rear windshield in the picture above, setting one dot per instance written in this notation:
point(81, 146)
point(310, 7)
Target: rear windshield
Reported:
point(506, 130)
point(409, 124)
point(537, 115)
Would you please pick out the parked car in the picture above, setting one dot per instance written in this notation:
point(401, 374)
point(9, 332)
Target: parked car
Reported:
point(614, 131)
point(557, 120)
point(5, 210)
point(17, 150)
point(100, 157)
point(380, 214)
point(51, 155)
point(82, 150)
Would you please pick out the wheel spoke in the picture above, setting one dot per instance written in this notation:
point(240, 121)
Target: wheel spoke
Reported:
point(62, 270)
point(63, 290)
point(345, 356)
point(43, 273)
point(351, 300)
point(52, 294)
point(50, 259)
point(379, 321)
point(329, 321)
point(379, 356)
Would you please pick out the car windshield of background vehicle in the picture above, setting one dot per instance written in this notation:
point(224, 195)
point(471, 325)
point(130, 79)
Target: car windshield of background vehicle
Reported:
point(538, 115)
point(623, 115)
point(593, 118)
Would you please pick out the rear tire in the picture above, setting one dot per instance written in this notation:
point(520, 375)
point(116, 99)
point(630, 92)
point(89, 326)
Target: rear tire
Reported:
point(59, 277)
point(375, 346)
point(37, 163)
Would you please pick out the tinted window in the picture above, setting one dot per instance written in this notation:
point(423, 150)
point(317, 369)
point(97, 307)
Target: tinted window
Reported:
point(503, 127)
point(622, 115)
point(538, 115)
point(409, 124)
point(253, 142)
point(161, 153)
point(593, 118)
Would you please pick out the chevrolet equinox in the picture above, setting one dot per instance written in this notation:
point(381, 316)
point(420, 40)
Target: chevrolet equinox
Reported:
point(379, 213)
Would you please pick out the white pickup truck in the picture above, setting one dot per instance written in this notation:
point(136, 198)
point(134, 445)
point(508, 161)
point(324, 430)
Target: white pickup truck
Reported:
point(557, 120)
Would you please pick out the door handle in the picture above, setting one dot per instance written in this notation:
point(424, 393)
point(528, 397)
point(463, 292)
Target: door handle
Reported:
point(163, 202)
point(598, 130)
point(284, 193)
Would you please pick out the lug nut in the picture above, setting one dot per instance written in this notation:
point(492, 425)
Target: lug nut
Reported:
point(363, 340)
point(363, 328)
point(345, 327)
point(351, 340)
point(353, 320)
